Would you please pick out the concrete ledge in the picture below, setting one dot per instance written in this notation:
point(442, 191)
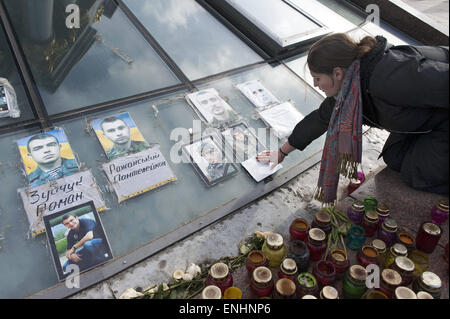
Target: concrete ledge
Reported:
point(408, 20)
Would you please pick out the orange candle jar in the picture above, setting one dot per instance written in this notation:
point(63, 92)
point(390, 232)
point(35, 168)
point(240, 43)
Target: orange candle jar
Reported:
point(254, 260)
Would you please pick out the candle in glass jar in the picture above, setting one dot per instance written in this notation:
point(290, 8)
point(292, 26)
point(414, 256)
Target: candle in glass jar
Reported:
point(439, 213)
point(370, 223)
point(324, 272)
point(429, 282)
point(262, 282)
point(367, 255)
point(307, 285)
point(405, 267)
point(285, 289)
point(322, 220)
point(329, 292)
point(390, 280)
point(274, 249)
point(254, 260)
point(298, 250)
point(370, 203)
point(298, 229)
point(428, 237)
point(316, 243)
point(388, 231)
point(356, 236)
point(288, 269)
point(404, 293)
point(340, 261)
point(219, 276)
point(406, 239)
point(383, 213)
point(356, 212)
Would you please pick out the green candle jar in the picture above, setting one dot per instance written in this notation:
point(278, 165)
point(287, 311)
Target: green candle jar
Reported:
point(274, 250)
point(370, 203)
point(355, 282)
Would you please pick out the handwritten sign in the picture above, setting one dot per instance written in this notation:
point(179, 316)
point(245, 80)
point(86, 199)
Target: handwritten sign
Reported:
point(58, 195)
point(138, 173)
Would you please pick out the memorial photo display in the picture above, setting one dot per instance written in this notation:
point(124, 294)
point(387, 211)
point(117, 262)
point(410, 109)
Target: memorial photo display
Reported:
point(212, 107)
point(209, 160)
point(257, 93)
point(118, 135)
point(282, 118)
point(77, 240)
point(243, 142)
point(47, 156)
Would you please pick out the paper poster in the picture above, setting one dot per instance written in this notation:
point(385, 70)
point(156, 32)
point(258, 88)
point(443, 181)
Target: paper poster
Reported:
point(138, 173)
point(257, 93)
point(118, 135)
point(282, 118)
point(77, 240)
point(243, 142)
point(58, 195)
point(47, 156)
point(212, 107)
point(209, 161)
point(258, 170)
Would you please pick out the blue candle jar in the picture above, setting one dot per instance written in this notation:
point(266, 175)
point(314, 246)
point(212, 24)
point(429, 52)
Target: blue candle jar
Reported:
point(356, 236)
point(299, 251)
point(356, 212)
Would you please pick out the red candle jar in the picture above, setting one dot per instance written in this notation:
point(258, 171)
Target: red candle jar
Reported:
point(370, 223)
point(254, 260)
point(388, 231)
point(390, 280)
point(340, 261)
point(299, 229)
point(316, 243)
point(356, 212)
point(405, 267)
point(322, 220)
point(383, 213)
point(428, 237)
point(367, 255)
point(288, 269)
point(307, 285)
point(439, 213)
point(406, 239)
point(262, 282)
point(324, 272)
point(219, 276)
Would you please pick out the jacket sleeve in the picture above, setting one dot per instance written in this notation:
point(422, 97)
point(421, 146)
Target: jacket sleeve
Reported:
point(412, 76)
point(313, 125)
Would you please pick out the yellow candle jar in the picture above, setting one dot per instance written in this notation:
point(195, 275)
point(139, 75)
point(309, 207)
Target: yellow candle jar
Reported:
point(274, 250)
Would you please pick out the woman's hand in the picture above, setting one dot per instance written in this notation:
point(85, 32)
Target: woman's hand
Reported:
point(273, 157)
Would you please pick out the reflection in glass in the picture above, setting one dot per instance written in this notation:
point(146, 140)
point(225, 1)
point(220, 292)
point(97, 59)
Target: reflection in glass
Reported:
point(199, 44)
point(9, 71)
point(279, 20)
point(105, 59)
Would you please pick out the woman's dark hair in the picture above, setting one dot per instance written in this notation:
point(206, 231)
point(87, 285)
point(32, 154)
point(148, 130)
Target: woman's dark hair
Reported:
point(337, 50)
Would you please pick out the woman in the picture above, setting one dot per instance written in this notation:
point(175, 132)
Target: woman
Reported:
point(402, 89)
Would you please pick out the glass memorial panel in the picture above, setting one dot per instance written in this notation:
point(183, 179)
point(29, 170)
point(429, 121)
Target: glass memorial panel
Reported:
point(198, 43)
point(162, 122)
point(106, 58)
point(279, 20)
point(8, 71)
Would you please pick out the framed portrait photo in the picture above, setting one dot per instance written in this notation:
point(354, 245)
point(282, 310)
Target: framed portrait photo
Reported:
point(212, 107)
point(243, 142)
point(119, 135)
point(47, 156)
point(209, 160)
point(257, 93)
point(77, 240)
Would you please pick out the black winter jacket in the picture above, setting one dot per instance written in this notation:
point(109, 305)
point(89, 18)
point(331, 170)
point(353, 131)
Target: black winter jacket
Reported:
point(404, 89)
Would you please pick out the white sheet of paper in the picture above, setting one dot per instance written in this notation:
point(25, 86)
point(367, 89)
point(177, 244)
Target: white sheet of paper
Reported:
point(58, 195)
point(259, 170)
point(282, 118)
point(137, 173)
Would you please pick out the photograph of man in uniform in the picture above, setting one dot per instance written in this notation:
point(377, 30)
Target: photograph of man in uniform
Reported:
point(85, 243)
point(44, 150)
point(117, 130)
point(217, 167)
point(213, 108)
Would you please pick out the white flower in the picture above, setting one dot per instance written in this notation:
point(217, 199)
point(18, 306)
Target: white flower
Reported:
point(178, 274)
point(193, 270)
point(130, 293)
point(187, 277)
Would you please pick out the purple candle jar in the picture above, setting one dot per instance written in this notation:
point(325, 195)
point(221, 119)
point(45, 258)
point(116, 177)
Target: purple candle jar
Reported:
point(356, 212)
point(388, 232)
point(383, 213)
point(439, 213)
point(370, 223)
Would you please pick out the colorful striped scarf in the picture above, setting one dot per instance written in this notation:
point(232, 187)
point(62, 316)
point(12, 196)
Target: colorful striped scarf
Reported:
point(343, 145)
